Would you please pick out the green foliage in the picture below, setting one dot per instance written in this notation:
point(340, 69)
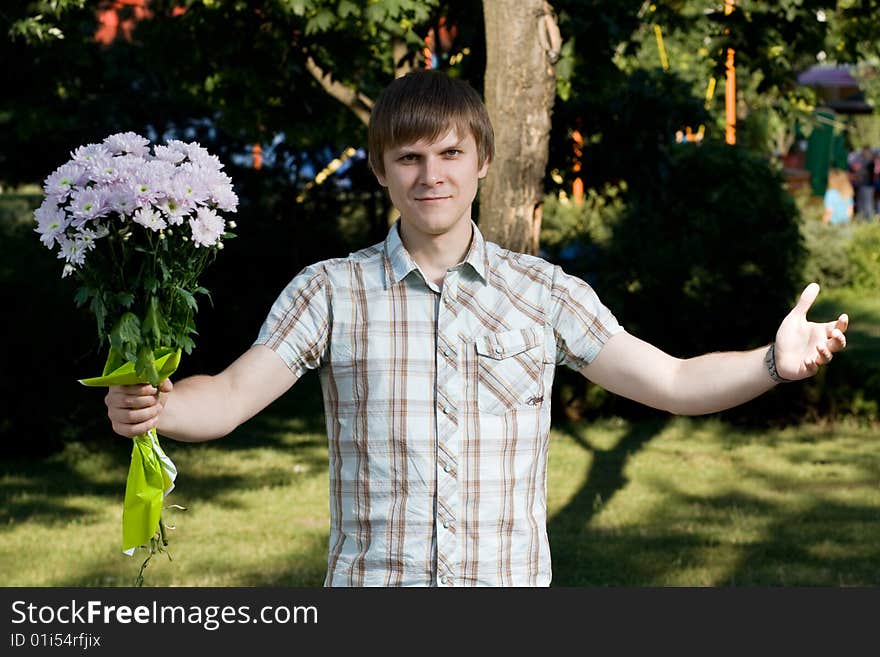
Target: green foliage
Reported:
point(711, 259)
point(864, 129)
point(828, 263)
point(843, 256)
point(863, 253)
point(34, 28)
point(566, 225)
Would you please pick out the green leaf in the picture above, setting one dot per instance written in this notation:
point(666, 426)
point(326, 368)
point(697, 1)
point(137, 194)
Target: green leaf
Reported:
point(82, 295)
point(125, 337)
point(145, 365)
point(125, 299)
point(320, 22)
point(100, 312)
point(154, 324)
point(188, 298)
point(376, 13)
point(346, 8)
point(186, 344)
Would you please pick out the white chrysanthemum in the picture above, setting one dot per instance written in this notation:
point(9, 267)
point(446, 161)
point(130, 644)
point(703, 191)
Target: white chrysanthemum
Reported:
point(173, 209)
point(201, 158)
point(196, 152)
point(51, 222)
point(127, 142)
point(162, 170)
point(177, 145)
point(88, 204)
point(150, 218)
point(85, 155)
point(73, 251)
point(188, 185)
point(167, 154)
point(149, 184)
point(88, 236)
point(224, 198)
point(103, 170)
point(61, 181)
point(128, 165)
point(121, 198)
point(207, 227)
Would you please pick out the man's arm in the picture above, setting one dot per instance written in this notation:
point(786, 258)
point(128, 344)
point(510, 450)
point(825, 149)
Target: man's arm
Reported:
point(202, 407)
point(714, 382)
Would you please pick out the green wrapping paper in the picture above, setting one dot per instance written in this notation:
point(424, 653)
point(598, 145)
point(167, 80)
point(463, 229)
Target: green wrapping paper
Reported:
point(151, 473)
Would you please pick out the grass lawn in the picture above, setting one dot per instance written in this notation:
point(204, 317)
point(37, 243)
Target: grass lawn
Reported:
point(675, 501)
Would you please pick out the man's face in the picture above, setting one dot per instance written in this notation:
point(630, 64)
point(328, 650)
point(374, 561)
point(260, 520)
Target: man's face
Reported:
point(433, 184)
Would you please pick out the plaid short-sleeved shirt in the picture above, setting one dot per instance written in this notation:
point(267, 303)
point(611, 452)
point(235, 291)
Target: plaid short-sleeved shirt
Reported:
point(437, 403)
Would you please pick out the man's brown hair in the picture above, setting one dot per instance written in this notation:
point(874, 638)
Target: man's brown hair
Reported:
point(424, 105)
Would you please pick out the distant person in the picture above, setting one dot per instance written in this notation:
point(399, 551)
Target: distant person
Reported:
point(864, 165)
point(838, 198)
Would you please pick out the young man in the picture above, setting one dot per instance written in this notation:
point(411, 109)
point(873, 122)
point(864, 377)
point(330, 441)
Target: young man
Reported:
point(436, 352)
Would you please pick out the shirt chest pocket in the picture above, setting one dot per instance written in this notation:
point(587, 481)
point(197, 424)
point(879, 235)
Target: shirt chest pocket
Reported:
point(510, 369)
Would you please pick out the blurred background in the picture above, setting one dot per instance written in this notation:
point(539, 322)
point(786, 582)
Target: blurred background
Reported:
point(684, 173)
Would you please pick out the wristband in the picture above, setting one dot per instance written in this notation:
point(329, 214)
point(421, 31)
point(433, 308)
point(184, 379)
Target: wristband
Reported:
point(770, 362)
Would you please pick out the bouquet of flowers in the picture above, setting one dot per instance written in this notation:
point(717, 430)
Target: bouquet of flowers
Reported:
point(136, 228)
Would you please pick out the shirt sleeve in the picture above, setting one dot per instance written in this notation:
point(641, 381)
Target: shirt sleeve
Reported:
point(581, 322)
point(298, 325)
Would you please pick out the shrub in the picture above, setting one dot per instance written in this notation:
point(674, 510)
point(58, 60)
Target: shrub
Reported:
point(712, 259)
point(863, 256)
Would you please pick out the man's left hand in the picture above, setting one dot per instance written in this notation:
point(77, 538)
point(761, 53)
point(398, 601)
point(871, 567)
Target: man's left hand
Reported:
point(802, 346)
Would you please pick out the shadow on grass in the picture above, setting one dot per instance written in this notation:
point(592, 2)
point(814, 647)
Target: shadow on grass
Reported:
point(726, 539)
point(35, 489)
point(567, 530)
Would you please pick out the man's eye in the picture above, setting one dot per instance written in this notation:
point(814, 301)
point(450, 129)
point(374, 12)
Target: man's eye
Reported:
point(409, 157)
point(453, 152)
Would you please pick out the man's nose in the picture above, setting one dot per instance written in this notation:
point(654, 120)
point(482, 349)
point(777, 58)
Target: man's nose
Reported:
point(432, 171)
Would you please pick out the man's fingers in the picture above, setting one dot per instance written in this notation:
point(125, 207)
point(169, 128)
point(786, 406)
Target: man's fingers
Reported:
point(132, 430)
point(808, 296)
point(811, 367)
point(119, 399)
point(837, 340)
point(134, 417)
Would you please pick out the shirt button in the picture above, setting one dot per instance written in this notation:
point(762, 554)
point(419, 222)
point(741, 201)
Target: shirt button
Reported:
point(446, 410)
point(447, 352)
point(498, 350)
point(444, 580)
point(445, 524)
point(447, 468)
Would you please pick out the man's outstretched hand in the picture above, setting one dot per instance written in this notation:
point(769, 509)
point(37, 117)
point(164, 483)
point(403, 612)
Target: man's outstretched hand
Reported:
point(802, 346)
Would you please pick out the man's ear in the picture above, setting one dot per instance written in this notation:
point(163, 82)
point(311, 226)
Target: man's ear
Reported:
point(484, 169)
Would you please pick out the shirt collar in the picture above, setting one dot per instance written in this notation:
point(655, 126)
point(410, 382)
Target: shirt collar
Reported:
point(399, 263)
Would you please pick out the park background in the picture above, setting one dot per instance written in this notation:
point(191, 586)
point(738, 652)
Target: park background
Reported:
point(617, 163)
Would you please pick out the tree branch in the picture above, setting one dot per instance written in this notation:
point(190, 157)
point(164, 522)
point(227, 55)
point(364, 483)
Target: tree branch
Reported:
point(354, 100)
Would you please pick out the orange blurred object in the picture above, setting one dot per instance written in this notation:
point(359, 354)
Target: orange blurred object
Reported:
point(730, 87)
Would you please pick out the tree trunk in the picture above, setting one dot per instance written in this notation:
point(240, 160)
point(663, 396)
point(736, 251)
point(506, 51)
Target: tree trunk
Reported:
point(522, 44)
